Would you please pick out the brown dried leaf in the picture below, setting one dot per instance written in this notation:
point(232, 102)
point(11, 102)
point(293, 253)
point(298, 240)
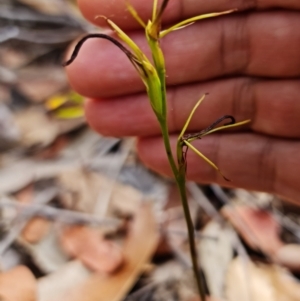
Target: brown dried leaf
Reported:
point(54, 149)
point(37, 130)
point(18, 284)
point(89, 246)
point(257, 227)
point(83, 187)
point(54, 285)
point(25, 195)
point(289, 257)
point(138, 249)
point(215, 256)
point(35, 230)
point(207, 299)
point(257, 282)
point(38, 83)
point(37, 227)
point(52, 8)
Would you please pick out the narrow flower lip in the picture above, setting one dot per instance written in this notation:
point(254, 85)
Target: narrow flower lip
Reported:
point(210, 129)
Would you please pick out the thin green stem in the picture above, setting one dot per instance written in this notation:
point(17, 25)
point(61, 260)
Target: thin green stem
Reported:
point(179, 175)
point(167, 144)
point(191, 234)
point(178, 170)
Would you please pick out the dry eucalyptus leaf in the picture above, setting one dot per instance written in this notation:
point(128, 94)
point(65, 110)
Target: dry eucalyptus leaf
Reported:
point(125, 199)
point(35, 230)
point(139, 246)
point(258, 228)
point(173, 279)
point(37, 130)
point(55, 285)
point(38, 83)
point(215, 256)
point(26, 194)
point(89, 246)
point(256, 282)
point(19, 173)
point(289, 257)
point(37, 227)
point(13, 177)
point(47, 253)
point(44, 6)
point(207, 299)
point(55, 149)
point(83, 189)
point(18, 284)
point(9, 134)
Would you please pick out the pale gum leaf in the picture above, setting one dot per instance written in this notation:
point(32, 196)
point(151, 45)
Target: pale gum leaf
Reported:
point(139, 246)
point(135, 15)
point(193, 19)
point(190, 116)
point(213, 165)
point(18, 284)
point(98, 254)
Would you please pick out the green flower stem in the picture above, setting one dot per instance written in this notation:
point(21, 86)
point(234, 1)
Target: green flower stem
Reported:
point(191, 234)
point(178, 171)
point(179, 175)
point(167, 144)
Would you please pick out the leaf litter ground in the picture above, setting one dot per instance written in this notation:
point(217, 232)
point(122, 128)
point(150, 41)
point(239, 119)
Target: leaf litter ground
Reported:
point(83, 219)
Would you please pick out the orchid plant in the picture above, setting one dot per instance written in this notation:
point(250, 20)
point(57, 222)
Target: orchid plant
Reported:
point(153, 75)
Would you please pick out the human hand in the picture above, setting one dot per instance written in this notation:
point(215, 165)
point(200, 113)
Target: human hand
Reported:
point(249, 62)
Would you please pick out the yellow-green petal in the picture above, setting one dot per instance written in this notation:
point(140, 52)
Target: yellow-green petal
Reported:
point(189, 21)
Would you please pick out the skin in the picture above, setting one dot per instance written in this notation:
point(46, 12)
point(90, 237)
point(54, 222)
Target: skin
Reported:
point(249, 62)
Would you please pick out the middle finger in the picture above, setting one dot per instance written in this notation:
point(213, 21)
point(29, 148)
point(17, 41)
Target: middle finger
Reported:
point(259, 44)
point(272, 105)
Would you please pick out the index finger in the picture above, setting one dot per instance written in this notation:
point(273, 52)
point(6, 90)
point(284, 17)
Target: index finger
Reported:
point(175, 11)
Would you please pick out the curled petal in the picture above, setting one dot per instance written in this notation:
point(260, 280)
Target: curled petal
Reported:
point(132, 57)
point(78, 46)
point(226, 126)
